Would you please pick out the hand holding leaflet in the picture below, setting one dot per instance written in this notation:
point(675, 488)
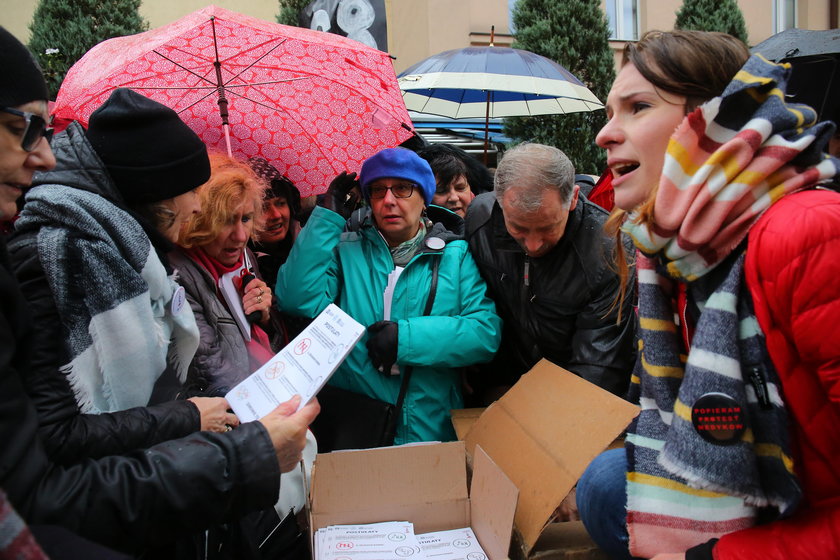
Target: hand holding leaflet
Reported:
point(301, 368)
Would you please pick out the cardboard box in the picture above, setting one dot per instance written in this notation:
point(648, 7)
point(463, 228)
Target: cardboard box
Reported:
point(537, 439)
point(543, 433)
point(425, 484)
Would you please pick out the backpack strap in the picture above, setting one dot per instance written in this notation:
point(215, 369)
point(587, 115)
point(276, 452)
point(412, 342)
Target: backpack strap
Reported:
point(429, 302)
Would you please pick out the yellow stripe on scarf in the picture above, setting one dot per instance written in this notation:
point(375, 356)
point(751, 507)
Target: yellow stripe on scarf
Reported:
point(772, 450)
point(651, 324)
point(662, 371)
point(761, 97)
point(660, 482)
point(682, 156)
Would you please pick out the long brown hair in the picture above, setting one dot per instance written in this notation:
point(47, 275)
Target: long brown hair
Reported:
point(697, 65)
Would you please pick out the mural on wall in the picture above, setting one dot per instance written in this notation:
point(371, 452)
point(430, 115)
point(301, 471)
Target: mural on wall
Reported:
point(362, 20)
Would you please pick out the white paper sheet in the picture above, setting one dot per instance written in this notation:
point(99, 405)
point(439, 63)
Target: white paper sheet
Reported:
point(393, 540)
point(388, 296)
point(301, 368)
point(234, 302)
point(457, 544)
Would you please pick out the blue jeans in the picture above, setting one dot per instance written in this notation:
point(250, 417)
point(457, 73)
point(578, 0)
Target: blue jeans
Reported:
point(602, 502)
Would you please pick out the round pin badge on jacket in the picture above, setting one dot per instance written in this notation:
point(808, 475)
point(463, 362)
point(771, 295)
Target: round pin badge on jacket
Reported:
point(179, 298)
point(718, 418)
point(435, 243)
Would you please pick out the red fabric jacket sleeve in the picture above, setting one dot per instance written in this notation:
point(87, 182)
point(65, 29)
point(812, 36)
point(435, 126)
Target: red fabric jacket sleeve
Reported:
point(793, 272)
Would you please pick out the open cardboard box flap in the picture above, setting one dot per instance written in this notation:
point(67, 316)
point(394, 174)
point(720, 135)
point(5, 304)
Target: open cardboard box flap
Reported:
point(543, 433)
point(425, 484)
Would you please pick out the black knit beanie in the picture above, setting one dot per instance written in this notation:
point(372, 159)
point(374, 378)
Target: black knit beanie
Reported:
point(150, 153)
point(21, 80)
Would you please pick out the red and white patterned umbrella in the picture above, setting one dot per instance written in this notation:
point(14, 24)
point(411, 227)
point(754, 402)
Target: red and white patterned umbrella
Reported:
point(313, 104)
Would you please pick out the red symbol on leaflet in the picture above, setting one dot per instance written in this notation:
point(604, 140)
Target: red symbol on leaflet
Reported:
point(302, 346)
point(343, 545)
point(275, 370)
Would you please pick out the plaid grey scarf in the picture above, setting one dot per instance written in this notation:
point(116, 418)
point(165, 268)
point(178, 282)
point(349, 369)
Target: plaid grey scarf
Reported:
point(113, 296)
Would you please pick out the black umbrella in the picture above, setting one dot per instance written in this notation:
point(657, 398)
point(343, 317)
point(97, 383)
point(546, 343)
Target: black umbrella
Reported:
point(815, 58)
point(798, 43)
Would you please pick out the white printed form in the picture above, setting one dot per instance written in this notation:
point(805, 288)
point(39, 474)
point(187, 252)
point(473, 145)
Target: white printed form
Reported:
point(393, 540)
point(457, 544)
point(301, 368)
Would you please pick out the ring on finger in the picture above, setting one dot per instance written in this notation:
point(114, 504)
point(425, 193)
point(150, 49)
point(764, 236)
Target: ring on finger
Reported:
point(261, 291)
point(259, 299)
point(228, 427)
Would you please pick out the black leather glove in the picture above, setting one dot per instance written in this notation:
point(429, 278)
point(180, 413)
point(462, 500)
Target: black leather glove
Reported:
point(342, 196)
point(382, 345)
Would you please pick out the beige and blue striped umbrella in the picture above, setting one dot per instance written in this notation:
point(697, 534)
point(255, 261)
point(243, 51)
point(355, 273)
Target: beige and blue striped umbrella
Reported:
point(493, 82)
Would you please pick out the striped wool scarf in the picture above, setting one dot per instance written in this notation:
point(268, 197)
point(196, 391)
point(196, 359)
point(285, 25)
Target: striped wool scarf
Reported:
point(728, 162)
point(681, 489)
point(113, 296)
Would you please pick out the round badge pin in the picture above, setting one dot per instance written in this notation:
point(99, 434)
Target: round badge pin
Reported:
point(179, 298)
point(435, 243)
point(718, 418)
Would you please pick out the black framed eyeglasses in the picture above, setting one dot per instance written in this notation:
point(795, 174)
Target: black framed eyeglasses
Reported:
point(400, 190)
point(36, 127)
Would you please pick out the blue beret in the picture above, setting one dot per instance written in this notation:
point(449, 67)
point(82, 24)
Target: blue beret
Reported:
point(398, 163)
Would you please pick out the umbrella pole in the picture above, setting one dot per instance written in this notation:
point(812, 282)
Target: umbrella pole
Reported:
point(226, 126)
point(220, 86)
point(487, 111)
point(487, 129)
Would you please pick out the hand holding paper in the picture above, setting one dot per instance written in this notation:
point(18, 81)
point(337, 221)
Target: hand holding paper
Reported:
point(301, 368)
point(287, 427)
point(214, 414)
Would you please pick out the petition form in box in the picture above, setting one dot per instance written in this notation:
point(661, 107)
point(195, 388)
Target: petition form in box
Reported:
point(301, 368)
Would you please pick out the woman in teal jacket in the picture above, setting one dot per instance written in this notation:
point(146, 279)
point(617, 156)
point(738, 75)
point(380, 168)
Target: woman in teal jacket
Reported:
point(351, 269)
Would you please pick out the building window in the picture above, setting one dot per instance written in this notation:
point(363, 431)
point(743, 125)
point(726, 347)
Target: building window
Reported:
point(784, 14)
point(623, 16)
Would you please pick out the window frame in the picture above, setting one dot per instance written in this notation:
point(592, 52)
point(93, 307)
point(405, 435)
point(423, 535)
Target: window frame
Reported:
point(780, 10)
point(618, 28)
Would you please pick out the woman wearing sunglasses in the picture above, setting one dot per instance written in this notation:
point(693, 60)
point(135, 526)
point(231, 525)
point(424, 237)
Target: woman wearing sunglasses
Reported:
point(400, 234)
point(24, 146)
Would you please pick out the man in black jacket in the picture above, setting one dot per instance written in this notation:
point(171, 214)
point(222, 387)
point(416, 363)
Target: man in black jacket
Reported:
point(543, 252)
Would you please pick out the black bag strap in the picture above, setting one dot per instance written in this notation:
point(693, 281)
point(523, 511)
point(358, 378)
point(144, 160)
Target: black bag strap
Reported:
point(429, 302)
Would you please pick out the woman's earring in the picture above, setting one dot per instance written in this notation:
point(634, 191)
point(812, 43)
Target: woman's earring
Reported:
point(426, 221)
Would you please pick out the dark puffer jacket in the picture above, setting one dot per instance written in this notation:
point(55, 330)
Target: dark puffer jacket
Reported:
point(141, 498)
point(564, 311)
